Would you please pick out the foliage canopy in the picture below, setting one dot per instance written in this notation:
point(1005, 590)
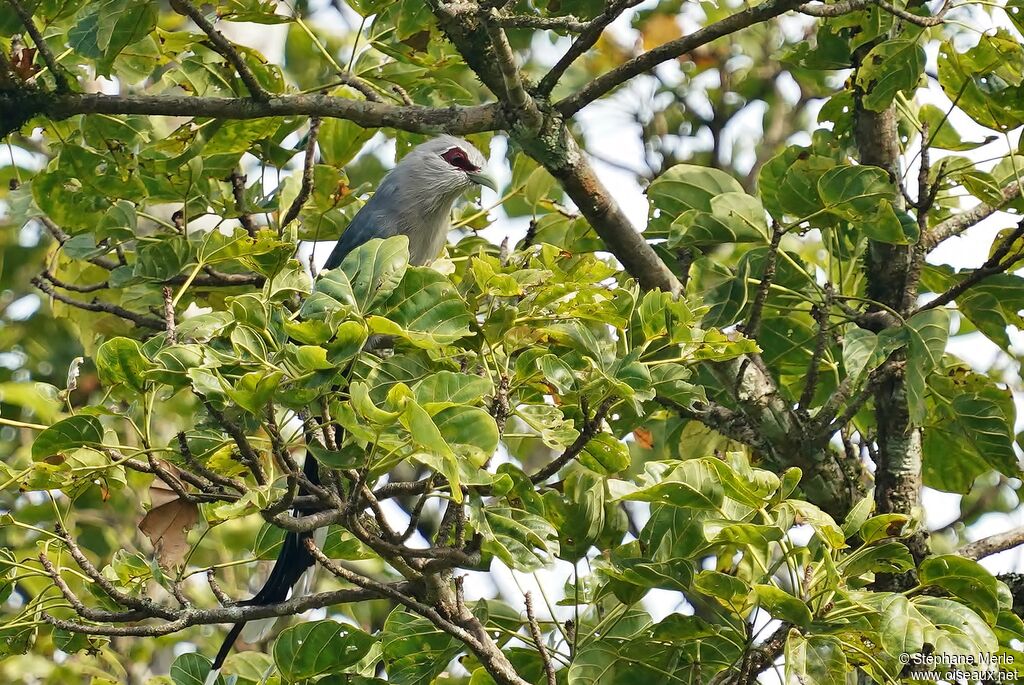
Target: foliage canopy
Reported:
point(695, 412)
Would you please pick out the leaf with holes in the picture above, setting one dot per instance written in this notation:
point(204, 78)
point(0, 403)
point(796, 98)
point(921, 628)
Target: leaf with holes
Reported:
point(312, 649)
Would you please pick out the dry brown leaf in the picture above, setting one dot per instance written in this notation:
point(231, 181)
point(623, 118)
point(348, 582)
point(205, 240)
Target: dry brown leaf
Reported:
point(644, 438)
point(167, 523)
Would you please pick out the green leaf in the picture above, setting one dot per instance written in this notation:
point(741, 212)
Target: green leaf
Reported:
point(524, 541)
point(555, 431)
point(888, 557)
point(68, 434)
point(253, 391)
point(941, 132)
point(782, 605)
point(902, 627)
point(191, 669)
point(340, 141)
point(315, 648)
point(415, 652)
point(604, 454)
point(447, 387)
point(964, 579)
point(864, 195)
point(985, 82)
point(375, 268)
point(815, 660)
point(929, 331)
point(890, 67)
point(734, 218)
point(470, 431)
point(425, 309)
point(955, 620)
point(883, 526)
point(686, 187)
point(860, 351)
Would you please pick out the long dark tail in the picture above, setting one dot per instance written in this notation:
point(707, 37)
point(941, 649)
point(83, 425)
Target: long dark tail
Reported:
point(292, 561)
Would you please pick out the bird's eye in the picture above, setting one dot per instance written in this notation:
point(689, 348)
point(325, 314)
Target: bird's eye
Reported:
point(458, 159)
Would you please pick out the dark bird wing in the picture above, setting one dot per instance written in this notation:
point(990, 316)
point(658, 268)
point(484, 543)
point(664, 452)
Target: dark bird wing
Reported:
point(371, 222)
point(292, 562)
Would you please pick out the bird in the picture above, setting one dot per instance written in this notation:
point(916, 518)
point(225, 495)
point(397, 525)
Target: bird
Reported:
point(414, 199)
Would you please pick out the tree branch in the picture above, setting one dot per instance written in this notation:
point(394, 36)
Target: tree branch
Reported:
point(515, 92)
point(538, 639)
point(44, 50)
point(993, 544)
point(992, 266)
point(671, 50)
point(223, 46)
point(237, 180)
point(23, 105)
point(566, 24)
point(591, 427)
point(956, 225)
point(589, 35)
point(848, 6)
point(236, 613)
point(96, 305)
point(307, 174)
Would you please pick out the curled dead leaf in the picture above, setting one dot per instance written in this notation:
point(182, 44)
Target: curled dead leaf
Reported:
point(169, 520)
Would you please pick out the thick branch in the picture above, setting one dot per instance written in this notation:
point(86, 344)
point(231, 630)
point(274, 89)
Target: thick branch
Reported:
point(956, 225)
point(848, 6)
point(596, 203)
point(567, 24)
point(458, 120)
point(993, 544)
point(515, 92)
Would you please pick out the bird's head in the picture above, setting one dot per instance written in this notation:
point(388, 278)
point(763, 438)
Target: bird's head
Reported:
point(451, 165)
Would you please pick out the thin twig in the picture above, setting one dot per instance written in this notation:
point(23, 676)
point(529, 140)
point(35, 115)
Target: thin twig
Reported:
point(307, 174)
point(61, 237)
point(589, 35)
point(44, 50)
point(172, 329)
point(73, 287)
point(820, 313)
point(538, 639)
point(209, 474)
point(361, 85)
point(95, 305)
point(671, 50)
point(222, 597)
point(237, 180)
point(753, 324)
point(245, 450)
point(223, 46)
point(994, 265)
point(591, 427)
